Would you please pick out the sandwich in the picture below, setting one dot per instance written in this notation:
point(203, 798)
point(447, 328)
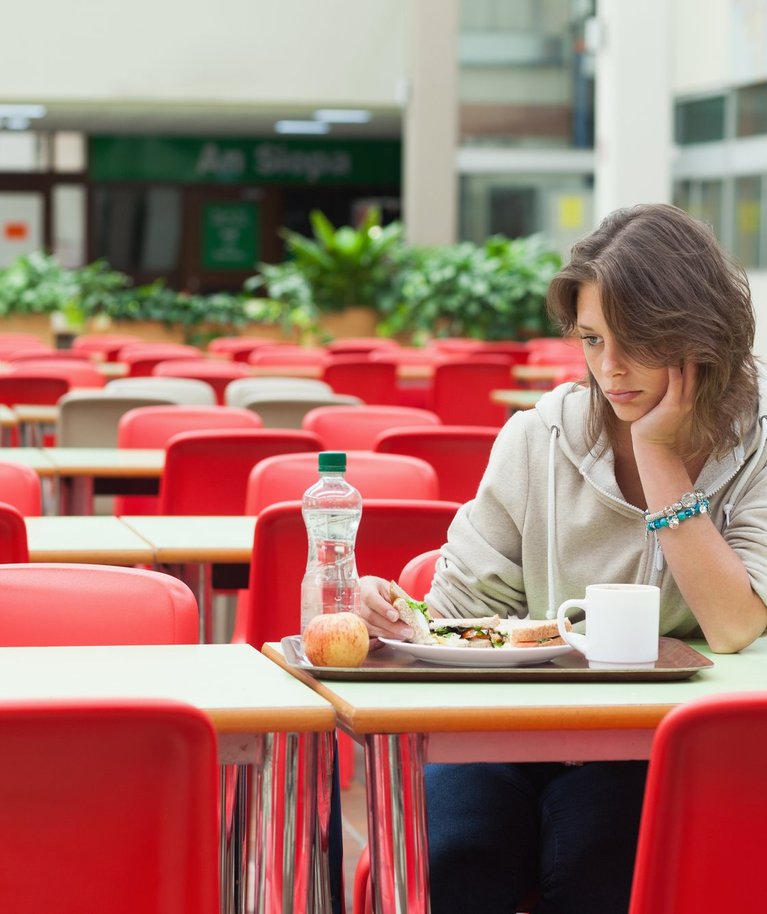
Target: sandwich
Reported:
point(540, 633)
point(412, 612)
point(483, 632)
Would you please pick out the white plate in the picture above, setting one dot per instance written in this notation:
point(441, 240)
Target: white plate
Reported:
point(478, 656)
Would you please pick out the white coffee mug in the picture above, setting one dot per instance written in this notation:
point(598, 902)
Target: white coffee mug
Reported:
point(622, 625)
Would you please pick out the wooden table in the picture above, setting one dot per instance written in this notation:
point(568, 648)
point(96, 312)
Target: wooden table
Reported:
point(249, 701)
point(405, 724)
point(193, 548)
point(95, 540)
point(516, 398)
point(77, 468)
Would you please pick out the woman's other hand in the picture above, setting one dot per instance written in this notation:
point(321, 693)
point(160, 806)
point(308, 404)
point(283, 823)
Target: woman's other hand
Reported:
point(667, 425)
point(377, 612)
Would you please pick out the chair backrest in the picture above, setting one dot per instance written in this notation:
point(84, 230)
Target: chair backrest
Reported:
point(154, 426)
point(241, 390)
point(78, 373)
point(49, 604)
point(91, 420)
point(20, 486)
point(13, 535)
point(373, 382)
point(408, 355)
point(20, 340)
point(416, 577)
point(105, 345)
point(287, 409)
point(460, 393)
point(187, 391)
point(141, 358)
point(390, 533)
point(118, 798)
point(237, 348)
point(702, 843)
point(206, 472)
point(287, 476)
point(216, 372)
point(459, 453)
point(356, 428)
point(33, 388)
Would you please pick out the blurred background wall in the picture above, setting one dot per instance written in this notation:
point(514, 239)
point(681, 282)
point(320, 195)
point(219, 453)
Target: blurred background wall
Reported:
point(153, 124)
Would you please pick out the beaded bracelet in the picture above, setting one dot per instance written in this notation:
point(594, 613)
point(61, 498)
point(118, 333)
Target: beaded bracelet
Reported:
point(689, 505)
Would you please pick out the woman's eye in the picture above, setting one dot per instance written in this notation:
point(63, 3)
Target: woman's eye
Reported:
point(591, 340)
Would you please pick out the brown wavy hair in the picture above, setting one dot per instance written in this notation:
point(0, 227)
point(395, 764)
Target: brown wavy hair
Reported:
point(669, 294)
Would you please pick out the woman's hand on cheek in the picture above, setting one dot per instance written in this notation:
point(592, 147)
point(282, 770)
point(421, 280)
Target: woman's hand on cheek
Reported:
point(666, 424)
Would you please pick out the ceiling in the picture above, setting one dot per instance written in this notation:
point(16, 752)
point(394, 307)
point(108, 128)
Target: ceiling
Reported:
point(202, 119)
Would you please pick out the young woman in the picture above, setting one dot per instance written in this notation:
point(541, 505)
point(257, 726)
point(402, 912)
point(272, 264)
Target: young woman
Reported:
point(579, 491)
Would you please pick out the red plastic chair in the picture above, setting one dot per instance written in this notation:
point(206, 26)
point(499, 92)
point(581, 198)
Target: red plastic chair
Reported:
point(217, 373)
point(13, 535)
point(140, 358)
point(206, 472)
point(460, 393)
point(36, 388)
point(46, 355)
point(154, 426)
point(117, 800)
point(355, 428)
point(282, 355)
point(44, 390)
point(391, 532)
point(459, 453)
point(373, 382)
point(287, 476)
point(104, 346)
point(74, 604)
point(416, 577)
point(20, 340)
point(20, 486)
point(237, 348)
point(77, 372)
point(702, 842)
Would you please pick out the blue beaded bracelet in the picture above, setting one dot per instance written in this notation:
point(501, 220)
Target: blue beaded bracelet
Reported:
point(690, 505)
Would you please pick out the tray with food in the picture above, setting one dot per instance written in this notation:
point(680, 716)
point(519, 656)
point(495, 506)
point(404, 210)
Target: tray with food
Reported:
point(487, 648)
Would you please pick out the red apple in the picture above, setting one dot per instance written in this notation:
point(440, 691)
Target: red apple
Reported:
point(336, 639)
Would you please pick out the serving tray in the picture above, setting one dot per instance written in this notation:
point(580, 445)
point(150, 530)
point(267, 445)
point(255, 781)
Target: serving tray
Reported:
point(676, 660)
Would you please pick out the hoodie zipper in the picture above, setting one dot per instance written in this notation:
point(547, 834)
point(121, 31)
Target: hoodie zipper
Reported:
point(655, 553)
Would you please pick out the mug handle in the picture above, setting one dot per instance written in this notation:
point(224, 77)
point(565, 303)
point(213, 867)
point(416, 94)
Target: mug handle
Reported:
point(572, 638)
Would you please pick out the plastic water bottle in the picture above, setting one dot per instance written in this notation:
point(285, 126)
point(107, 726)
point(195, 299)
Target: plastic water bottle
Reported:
point(332, 509)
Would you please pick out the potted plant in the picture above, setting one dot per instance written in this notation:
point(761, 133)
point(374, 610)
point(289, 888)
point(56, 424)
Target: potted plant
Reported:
point(493, 291)
point(339, 275)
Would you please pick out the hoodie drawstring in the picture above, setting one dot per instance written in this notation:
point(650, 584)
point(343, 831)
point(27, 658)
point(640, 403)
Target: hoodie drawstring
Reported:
point(551, 612)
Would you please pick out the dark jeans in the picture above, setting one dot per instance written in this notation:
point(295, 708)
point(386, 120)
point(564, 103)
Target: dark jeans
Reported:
point(496, 831)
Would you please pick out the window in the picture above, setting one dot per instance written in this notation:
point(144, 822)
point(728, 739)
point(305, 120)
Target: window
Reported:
point(751, 110)
point(700, 121)
point(748, 221)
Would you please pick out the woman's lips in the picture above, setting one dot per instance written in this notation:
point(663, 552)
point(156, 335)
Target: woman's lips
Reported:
point(621, 396)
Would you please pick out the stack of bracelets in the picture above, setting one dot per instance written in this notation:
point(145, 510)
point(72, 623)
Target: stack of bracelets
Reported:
point(690, 504)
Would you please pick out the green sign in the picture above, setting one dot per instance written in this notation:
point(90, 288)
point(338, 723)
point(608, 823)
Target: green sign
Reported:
point(244, 161)
point(230, 236)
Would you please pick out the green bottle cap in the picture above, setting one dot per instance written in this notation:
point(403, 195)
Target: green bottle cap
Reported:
point(332, 462)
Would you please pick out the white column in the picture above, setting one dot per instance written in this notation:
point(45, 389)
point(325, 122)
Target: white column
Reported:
point(634, 104)
point(430, 128)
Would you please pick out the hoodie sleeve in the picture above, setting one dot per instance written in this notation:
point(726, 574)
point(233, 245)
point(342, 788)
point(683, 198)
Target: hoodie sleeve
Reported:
point(479, 572)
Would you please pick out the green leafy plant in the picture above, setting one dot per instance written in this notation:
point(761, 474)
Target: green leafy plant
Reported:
point(492, 291)
point(337, 267)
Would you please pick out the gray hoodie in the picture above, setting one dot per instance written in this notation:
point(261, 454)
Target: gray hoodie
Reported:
point(549, 518)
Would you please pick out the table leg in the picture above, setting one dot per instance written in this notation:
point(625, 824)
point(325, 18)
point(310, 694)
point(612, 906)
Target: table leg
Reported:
point(291, 816)
point(197, 577)
point(399, 855)
point(76, 495)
